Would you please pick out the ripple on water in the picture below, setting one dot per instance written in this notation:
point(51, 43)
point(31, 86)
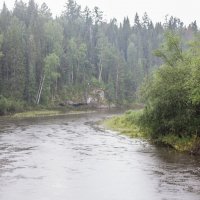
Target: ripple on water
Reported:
point(74, 158)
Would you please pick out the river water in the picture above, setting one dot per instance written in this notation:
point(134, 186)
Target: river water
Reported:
point(73, 158)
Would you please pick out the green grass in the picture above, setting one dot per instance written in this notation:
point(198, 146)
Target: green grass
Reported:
point(182, 144)
point(45, 113)
point(37, 113)
point(125, 124)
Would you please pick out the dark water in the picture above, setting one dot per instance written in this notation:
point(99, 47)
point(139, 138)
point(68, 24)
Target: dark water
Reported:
point(72, 158)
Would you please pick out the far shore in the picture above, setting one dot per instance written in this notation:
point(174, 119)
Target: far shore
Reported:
point(44, 113)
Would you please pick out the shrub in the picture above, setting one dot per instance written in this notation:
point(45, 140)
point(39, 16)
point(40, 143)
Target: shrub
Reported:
point(172, 96)
point(3, 105)
point(8, 105)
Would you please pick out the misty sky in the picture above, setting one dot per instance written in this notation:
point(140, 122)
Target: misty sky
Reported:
point(186, 10)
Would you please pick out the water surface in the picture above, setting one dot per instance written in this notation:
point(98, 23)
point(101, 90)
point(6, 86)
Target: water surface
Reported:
point(72, 158)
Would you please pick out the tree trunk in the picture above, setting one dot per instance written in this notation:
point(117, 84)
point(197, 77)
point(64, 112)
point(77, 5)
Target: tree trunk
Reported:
point(117, 83)
point(100, 71)
point(40, 90)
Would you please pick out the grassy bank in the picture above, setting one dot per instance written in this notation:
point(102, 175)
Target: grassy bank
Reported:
point(37, 113)
point(126, 124)
point(190, 144)
point(129, 125)
point(45, 112)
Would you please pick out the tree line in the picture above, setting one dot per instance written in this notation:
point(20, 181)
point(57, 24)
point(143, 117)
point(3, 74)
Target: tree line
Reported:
point(46, 60)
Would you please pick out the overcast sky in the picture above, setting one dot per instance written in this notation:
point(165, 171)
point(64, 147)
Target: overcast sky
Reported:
point(186, 10)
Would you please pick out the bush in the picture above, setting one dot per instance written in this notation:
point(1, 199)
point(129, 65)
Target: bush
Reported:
point(8, 105)
point(3, 105)
point(132, 116)
point(172, 100)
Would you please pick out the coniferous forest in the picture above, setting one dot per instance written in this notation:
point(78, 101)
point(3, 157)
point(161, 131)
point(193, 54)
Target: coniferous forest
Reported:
point(46, 60)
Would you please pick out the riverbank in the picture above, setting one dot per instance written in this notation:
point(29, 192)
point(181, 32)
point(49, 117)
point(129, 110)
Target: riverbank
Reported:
point(51, 110)
point(34, 113)
point(125, 124)
point(128, 124)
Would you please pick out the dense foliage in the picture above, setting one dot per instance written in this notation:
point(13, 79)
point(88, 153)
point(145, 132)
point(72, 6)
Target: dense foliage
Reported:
point(172, 94)
point(45, 59)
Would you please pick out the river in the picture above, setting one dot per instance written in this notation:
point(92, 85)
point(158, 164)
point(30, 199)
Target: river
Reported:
point(73, 158)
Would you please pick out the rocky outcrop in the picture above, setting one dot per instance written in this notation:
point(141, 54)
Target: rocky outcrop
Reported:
point(95, 98)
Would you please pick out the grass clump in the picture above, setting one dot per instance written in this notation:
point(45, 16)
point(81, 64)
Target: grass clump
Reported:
point(126, 124)
point(37, 113)
point(183, 144)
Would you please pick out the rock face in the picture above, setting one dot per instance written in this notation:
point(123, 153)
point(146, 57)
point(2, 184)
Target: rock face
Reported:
point(96, 97)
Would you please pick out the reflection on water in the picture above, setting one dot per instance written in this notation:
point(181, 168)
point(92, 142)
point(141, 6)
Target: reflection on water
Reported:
point(72, 158)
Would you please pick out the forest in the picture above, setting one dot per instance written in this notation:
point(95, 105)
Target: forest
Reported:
point(46, 60)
